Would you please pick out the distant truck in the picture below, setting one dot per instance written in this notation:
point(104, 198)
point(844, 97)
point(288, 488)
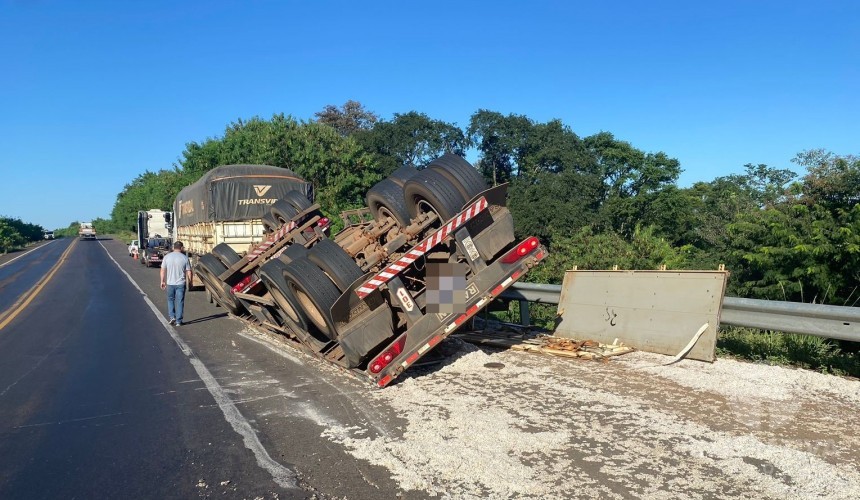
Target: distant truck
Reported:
point(231, 205)
point(48, 235)
point(86, 231)
point(154, 228)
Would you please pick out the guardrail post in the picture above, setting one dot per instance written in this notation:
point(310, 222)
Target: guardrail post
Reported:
point(525, 318)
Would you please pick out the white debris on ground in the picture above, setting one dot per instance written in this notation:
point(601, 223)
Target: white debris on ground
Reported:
point(733, 378)
point(543, 427)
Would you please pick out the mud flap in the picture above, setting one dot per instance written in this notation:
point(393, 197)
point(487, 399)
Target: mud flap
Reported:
point(363, 325)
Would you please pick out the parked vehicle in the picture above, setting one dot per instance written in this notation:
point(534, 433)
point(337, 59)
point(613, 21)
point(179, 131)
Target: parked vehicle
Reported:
point(86, 231)
point(153, 234)
point(154, 250)
point(432, 248)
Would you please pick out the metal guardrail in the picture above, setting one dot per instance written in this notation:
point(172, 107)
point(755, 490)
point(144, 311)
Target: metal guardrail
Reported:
point(832, 322)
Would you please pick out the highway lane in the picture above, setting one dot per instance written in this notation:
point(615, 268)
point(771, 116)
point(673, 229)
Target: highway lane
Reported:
point(97, 400)
point(20, 271)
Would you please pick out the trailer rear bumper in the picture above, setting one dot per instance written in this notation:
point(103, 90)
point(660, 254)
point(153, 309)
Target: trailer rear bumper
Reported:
point(432, 328)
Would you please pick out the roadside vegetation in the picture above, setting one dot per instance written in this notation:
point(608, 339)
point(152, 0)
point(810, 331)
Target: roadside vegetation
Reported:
point(777, 348)
point(15, 234)
point(596, 201)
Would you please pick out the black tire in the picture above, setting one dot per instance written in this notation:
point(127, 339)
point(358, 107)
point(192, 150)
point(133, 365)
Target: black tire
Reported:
point(270, 223)
point(293, 252)
point(386, 198)
point(430, 187)
point(461, 173)
point(315, 292)
point(209, 268)
point(272, 275)
point(402, 174)
point(298, 200)
point(226, 254)
point(335, 262)
point(283, 211)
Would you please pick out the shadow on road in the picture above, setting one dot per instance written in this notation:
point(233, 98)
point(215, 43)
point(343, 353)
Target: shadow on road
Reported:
point(205, 318)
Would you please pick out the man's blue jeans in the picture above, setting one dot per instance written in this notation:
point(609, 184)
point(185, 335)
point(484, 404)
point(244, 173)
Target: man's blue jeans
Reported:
point(175, 302)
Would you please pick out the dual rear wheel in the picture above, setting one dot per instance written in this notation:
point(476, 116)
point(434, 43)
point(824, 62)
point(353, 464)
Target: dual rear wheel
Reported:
point(443, 188)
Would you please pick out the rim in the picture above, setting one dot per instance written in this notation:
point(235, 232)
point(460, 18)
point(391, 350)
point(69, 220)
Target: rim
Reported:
point(423, 207)
point(383, 212)
point(310, 309)
point(285, 305)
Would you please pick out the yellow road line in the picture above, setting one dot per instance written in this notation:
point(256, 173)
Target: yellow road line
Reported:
point(31, 294)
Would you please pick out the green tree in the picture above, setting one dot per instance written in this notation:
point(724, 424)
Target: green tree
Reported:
point(597, 250)
point(411, 139)
point(831, 180)
point(502, 141)
point(10, 238)
point(347, 119)
point(337, 166)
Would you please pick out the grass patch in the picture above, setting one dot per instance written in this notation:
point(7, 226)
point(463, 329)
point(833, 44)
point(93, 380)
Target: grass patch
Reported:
point(804, 351)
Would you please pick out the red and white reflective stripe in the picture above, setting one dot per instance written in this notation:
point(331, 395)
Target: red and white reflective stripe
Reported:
point(251, 285)
point(262, 247)
point(471, 311)
point(420, 249)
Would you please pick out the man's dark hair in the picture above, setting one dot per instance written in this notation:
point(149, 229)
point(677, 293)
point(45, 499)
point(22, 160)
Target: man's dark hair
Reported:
point(177, 245)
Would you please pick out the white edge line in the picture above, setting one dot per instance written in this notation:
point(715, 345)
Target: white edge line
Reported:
point(282, 475)
point(25, 253)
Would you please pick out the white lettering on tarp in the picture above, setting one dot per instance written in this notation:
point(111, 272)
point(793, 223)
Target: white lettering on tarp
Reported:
point(259, 201)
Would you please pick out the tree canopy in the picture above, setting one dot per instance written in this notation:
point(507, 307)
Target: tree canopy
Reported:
point(597, 201)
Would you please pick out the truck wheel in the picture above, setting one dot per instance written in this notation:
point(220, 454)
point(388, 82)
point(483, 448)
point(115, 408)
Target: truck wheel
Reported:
point(336, 263)
point(270, 223)
point(402, 174)
point(226, 254)
point(315, 292)
point(297, 200)
point(283, 211)
point(430, 191)
point(293, 252)
point(461, 173)
point(272, 274)
point(209, 269)
point(386, 199)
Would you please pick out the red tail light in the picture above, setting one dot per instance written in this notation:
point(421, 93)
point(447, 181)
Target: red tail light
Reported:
point(388, 355)
point(242, 284)
point(523, 249)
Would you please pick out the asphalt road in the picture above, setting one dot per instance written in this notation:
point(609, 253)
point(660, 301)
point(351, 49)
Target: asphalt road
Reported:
point(99, 397)
point(98, 401)
point(20, 271)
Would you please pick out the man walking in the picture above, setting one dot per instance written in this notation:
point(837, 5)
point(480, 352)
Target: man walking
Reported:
point(175, 270)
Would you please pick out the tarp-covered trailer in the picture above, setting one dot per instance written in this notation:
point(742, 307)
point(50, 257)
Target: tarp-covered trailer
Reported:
point(228, 204)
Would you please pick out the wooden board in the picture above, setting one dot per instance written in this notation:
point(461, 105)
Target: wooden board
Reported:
point(545, 344)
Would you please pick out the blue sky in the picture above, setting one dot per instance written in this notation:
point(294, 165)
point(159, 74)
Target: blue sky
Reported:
point(95, 93)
